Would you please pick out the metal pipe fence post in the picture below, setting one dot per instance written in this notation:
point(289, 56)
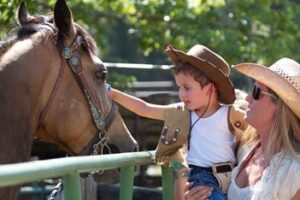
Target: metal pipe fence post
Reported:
point(72, 188)
point(126, 183)
point(70, 168)
point(167, 183)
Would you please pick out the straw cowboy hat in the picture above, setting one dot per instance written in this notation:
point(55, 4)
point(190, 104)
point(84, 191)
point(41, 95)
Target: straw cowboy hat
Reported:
point(211, 64)
point(283, 78)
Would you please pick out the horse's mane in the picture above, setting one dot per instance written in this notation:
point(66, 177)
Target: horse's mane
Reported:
point(45, 25)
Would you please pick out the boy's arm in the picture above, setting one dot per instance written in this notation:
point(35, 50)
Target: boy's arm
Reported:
point(138, 105)
point(297, 195)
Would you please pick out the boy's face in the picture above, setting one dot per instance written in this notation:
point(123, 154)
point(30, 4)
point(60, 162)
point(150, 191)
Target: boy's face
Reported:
point(190, 92)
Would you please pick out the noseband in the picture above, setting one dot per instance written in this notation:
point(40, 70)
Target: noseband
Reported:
point(71, 56)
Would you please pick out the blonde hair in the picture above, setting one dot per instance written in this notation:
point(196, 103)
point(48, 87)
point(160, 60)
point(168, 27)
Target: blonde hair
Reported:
point(285, 132)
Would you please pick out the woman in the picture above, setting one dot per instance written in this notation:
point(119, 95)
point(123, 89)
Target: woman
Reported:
point(271, 170)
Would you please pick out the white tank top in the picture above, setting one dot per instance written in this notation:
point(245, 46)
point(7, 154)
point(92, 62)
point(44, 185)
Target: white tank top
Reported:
point(211, 140)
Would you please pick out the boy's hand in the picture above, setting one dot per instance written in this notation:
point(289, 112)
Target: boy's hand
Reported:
point(109, 90)
point(108, 87)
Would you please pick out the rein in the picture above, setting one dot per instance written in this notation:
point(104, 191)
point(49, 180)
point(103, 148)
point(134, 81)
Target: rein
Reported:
point(71, 56)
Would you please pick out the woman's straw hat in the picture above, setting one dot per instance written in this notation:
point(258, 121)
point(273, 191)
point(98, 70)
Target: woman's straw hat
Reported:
point(283, 78)
point(211, 64)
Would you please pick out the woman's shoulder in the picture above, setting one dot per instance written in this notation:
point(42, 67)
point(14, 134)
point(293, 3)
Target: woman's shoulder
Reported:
point(286, 160)
point(283, 174)
point(286, 167)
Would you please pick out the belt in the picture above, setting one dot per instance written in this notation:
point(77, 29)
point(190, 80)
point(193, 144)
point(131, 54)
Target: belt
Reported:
point(209, 169)
point(218, 168)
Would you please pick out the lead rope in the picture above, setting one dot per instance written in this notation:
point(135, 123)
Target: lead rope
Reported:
point(56, 190)
point(99, 147)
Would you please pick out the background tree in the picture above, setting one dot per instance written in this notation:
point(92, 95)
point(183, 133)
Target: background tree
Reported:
point(138, 30)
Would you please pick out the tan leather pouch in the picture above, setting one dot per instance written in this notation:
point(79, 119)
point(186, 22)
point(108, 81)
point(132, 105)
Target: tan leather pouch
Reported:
point(173, 137)
point(222, 172)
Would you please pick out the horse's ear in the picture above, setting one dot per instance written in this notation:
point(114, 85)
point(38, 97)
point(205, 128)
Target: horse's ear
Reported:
point(63, 19)
point(22, 15)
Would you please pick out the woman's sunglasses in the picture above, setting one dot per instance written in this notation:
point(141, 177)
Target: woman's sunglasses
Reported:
point(257, 92)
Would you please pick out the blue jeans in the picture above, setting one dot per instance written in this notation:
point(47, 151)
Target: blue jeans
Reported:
point(204, 176)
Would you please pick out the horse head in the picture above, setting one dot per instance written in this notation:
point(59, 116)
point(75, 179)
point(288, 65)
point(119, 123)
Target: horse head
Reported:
point(61, 83)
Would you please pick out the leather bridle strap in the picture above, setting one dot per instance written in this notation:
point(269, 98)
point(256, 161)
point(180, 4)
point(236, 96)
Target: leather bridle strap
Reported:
point(109, 118)
point(53, 93)
point(72, 57)
point(74, 62)
point(88, 149)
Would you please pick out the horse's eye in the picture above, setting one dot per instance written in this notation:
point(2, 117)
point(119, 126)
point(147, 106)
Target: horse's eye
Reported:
point(101, 75)
point(84, 45)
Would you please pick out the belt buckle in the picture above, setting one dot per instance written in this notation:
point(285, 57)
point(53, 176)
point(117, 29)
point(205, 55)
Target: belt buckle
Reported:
point(222, 167)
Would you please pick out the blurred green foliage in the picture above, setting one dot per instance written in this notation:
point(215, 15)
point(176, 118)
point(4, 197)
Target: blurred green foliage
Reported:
point(121, 81)
point(138, 31)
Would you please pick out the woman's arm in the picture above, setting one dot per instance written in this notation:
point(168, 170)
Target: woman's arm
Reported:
point(297, 195)
point(179, 185)
point(197, 193)
point(138, 105)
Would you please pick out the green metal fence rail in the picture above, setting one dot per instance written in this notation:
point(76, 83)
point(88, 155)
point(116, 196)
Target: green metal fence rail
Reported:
point(70, 168)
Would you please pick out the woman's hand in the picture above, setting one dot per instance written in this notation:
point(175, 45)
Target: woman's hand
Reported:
point(196, 193)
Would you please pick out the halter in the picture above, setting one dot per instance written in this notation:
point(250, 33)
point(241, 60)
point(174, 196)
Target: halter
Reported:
point(96, 146)
point(71, 56)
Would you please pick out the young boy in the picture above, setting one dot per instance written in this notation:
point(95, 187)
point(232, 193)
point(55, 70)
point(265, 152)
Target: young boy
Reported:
point(203, 122)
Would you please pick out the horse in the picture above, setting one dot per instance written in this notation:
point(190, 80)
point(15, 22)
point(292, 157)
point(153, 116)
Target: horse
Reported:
point(53, 87)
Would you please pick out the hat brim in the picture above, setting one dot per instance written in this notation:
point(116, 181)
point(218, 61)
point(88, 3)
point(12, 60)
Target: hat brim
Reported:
point(278, 84)
point(224, 85)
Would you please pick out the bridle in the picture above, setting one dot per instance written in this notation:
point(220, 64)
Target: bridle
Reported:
point(71, 56)
point(96, 146)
